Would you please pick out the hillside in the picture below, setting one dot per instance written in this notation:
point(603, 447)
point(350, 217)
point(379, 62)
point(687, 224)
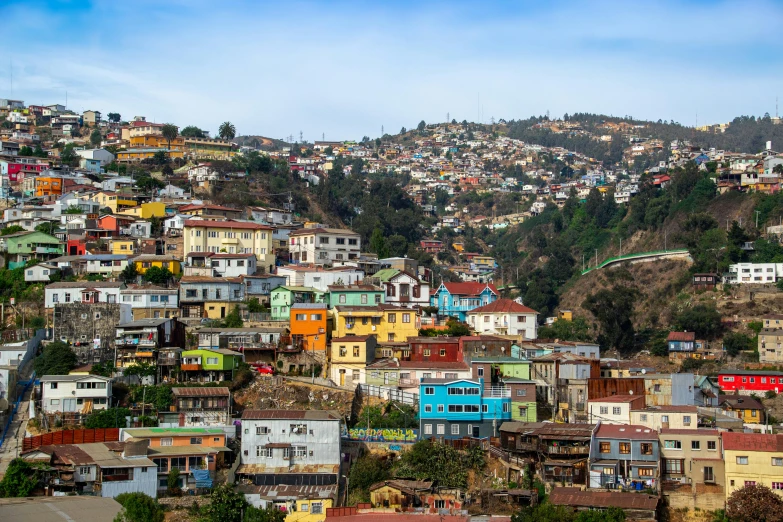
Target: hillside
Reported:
point(260, 142)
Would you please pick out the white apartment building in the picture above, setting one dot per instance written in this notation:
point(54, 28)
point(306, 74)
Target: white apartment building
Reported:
point(323, 246)
point(318, 277)
point(71, 292)
point(753, 273)
point(279, 444)
point(504, 317)
point(613, 410)
point(161, 302)
point(74, 393)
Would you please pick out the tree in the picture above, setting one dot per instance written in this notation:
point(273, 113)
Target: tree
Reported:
point(574, 330)
point(114, 117)
point(233, 319)
point(403, 130)
point(226, 505)
point(735, 342)
point(108, 418)
point(20, 479)
point(96, 138)
point(267, 514)
point(68, 156)
point(129, 273)
point(157, 275)
point(614, 311)
point(421, 126)
point(138, 507)
point(172, 481)
point(227, 131)
point(160, 158)
point(39, 152)
point(366, 471)
point(755, 503)
point(191, 131)
point(25, 151)
point(13, 229)
point(57, 358)
point(378, 244)
point(169, 132)
point(703, 320)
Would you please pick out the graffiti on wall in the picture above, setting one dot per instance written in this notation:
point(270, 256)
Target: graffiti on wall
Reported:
point(382, 434)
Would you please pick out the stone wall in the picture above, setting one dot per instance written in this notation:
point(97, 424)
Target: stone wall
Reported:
point(706, 497)
point(81, 323)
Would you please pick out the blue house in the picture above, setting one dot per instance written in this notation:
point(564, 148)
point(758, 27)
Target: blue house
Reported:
point(457, 408)
point(457, 299)
point(681, 341)
point(701, 158)
point(624, 455)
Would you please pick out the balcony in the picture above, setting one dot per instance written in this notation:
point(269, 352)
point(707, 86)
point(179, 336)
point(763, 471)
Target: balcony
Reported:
point(568, 450)
point(526, 446)
point(117, 478)
point(190, 365)
point(497, 392)
point(135, 341)
point(168, 361)
point(48, 250)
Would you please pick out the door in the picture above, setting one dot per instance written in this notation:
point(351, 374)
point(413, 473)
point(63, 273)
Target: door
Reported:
point(342, 377)
point(476, 432)
point(386, 378)
point(222, 312)
point(69, 405)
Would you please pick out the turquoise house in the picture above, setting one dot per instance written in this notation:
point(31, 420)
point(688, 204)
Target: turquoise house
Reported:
point(355, 295)
point(282, 298)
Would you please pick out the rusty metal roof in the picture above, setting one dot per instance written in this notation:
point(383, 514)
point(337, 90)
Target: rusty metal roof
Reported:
point(565, 431)
point(600, 499)
point(257, 469)
point(289, 414)
point(200, 392)
point(291, 492)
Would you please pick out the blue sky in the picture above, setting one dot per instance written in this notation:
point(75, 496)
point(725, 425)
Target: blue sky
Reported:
point(344, 69)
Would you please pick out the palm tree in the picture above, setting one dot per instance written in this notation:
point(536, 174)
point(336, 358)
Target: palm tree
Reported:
point(227, 131)
point(169, 131)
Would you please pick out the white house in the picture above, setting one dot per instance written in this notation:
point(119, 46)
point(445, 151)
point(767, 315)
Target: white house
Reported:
point(172, 191)
point(233, 265)
point(504, 317)
point(74, 393)
point(319, 278)
point(174, 224)
point(403, 289)
point(105, 264)
point(113, 184)
point(753, 273)
point(152, 297)
point(40, 273)
point(66, 292)
point(323, 246)
point(613, 410)
point(278, 445)
point(102, 155)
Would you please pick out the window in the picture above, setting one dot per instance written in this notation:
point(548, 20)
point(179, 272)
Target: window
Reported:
point(777, 485)
point(750, 482)
point(84, 470)
point(605, 447)
point(429, 390)
point(603, 410)
point(643, 417)
point(54, 402)
point(212, 360)
point(695, 445)
point(406, 318)
point(742, 461)
point(712, 445)
point(342, 298)
point(168, 441)
point(686, 420)
point(195, 440)
point(428, 408)
point(441, 429)
point(664, 418)
point(356, 351)
point(657, 388)
point(440, 503)
point(428, 429)
point(646, 472)
point(262, 430)
point(53, 386)
point(616, 410)
point(163, 465)
point(316, 508)
point(392, 318)
point(647, 448)
point(440, 408)
point(315, 317)
point(777, 461)
point(709, 474)
point(521, 392)
point(364, 298)
point(301, 317)
point(625, 448)
point(480, 371)
point(485, 408)
point(426, 352)
point(673, 466)
point(455, 429)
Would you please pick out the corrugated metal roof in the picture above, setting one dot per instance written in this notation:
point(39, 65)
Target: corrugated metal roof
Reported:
point(258, 469)
point(289, 414)
point(752, 441)
point(291, 492)
point(200, 392)
point(578, 498)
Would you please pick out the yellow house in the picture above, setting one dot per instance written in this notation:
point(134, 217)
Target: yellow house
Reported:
point(231, 237)
point(459, 247)
point(301, 503)
point(744, 407)
point(146, 210)
point(114, 201)
point(146, 153)
point(348, 358)
point(147, 261)
point(387, 323)
point(565, 315)
point(123, 246)
point(156, 141)
point(753, 458)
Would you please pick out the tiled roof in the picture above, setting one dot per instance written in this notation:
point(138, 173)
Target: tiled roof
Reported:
point(311, 231)
point(681, 336)
point(503, 306)
point(601, 499)
point(752, 441)
point(203, 223)
point(469, 288)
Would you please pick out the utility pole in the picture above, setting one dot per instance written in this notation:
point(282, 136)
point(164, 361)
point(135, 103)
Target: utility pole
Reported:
point(596, 257)
point(757, 218)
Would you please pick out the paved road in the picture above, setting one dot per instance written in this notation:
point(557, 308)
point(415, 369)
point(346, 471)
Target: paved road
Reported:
point(12, 445)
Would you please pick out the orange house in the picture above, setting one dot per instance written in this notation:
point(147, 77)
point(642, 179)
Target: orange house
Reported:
point(158, 437)
point(309, 326)
point(48, 186)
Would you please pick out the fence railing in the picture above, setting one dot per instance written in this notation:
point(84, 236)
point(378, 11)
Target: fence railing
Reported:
point(83, 436)
point(389, 394)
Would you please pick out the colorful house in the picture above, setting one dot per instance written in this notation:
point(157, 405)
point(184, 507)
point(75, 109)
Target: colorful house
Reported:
point(209, 297)
point(21, 247)
point(309, 326)
point(209, 365)
point(386, 322)
point(348, 358)
point(750, 410)
point(753, 459)
point(146, 210)
point(122, 246)
point(146, 261)
point(113, 201)
point(746, 382)
point(457, 299)
point(354, 295)
point(282, 298)
point(624, 455)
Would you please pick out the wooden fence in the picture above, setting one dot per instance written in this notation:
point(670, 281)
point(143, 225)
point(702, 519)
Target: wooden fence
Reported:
point(72, 437)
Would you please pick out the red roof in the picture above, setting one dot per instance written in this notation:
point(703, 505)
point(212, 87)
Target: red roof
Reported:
point(469, 288)
point(504, 306)
point(681, 336)
point(208, 207)
point(626, 431)
point(752, 441)
point(224, 224)
point(617, 398)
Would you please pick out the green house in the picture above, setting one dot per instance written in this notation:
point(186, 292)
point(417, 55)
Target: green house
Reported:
point(283, 297)
point(20, 247)
point(355, 295)
point(523, 399)
point(508, 366)
point(204, 365)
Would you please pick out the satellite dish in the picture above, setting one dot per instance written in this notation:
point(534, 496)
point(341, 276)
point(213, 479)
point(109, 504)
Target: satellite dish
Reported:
point(3, 404)
point(644, 371)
